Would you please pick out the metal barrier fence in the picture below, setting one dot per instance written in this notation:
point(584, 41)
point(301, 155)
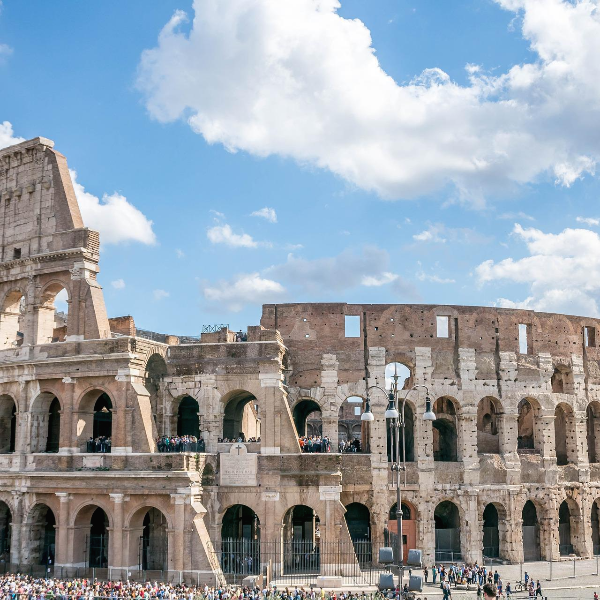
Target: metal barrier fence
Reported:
point(198, 447)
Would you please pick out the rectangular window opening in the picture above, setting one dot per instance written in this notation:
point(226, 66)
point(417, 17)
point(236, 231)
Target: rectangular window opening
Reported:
point(352, 326)
point(16, 253)
point(589, 337)
point(357, 410)
point(443, 327)
point(523, 338)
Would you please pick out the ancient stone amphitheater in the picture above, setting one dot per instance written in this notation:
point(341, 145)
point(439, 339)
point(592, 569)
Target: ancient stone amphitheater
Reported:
point(509, 469)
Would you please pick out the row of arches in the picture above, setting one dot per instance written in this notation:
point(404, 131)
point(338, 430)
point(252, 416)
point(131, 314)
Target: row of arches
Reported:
point(91, 537)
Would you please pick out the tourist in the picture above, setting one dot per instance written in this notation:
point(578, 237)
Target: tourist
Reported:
point(490, 592)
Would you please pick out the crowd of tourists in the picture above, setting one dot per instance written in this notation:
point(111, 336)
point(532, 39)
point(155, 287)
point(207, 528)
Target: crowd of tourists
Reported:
point(350, 446)
point(483, 579)
point(241, 439)
point(315, 443)
point(180, 443)
point(99, 444)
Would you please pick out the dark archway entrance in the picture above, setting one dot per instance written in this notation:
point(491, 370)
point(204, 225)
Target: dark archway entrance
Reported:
point(595, 529)
point(526, 426)
point(8, 424)
point(98, 539)
point(531, 532)
point(488, 438)
point(240, 535)
point(409, 529)
point(491, 533)
point(42, 535)
point(5, 532)
point(187, 417)
point(301, 537)
point(445, 437)
point(305, 411)
point(358, 520)
point(102, 417)
point(153, 544)
point(447, 532)
point(564, 530)
point(241, 420)
point(53, 439)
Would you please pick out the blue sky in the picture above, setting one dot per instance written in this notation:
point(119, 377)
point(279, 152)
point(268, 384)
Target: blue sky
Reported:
point(450, 158)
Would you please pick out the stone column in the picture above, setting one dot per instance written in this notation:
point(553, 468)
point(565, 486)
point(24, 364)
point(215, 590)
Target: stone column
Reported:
point(512, 532)
point(467, 445)
point(330, 429)
point(471, 530)
point(508, 433)
point(16, 527)
point(62, 531)
point(581, 457)
point(68, 429)
point(426, 515)
point(549, 539)
point(544, 441)
point(116, 535)
point(175, 534)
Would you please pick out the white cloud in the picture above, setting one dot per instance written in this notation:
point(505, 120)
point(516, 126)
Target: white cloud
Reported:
point(266, 213)
point(114, 217)
point(422, 276)
point(431, 234)
point(218, 216)
point(5, 52)
point(243, 289)
point(512, 216)
point(438, 233)
point(223, 234)
point(588, 221)
point(296, 79)
point(7, 136)
point(160, 294)
point(179, 253)
point(118, 284)
point(562, 271)
point(383, 279)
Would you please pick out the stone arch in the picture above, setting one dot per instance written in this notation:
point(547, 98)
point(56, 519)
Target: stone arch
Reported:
point(445, 430)
point(565, 440)
point(404, 373)
point(570, 527)
point(91, 536)
point(52, 324)
point(529, 433)
point(358, 521)
point(148, 539)
point(593, 431)
point(301, 537)
point(489, 410)
point(188, 421)
point(240, 416)
point(447, 522)
point(41, 529)
point(154, 373)
point(5, 531)
point(45, 423)
point(8, 424)
point(409, 527)
point(94, 418)
point(595, 522)
point(562, 381)
point(531, 532)
point(240, 540)
point(301, 413)
point(352, 431)
point(495, 530)
point(12, 319)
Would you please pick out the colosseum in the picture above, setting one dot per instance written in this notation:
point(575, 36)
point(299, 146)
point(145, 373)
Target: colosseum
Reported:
point(509, 469)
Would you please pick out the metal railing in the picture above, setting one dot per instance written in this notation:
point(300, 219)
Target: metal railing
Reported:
point(215, 328)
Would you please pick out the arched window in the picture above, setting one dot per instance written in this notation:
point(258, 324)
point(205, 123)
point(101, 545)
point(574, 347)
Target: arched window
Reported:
point(307, 418)
point(8, 424)
point(5, 530)
point(595, 529)
point(154, 541)
point(445, 437)
point(241, 418)
point(593, 431)
point(53, 315)
point(12, 320)
point(531, 532)
point(53, 440)
point(102, 417)
point(491, 532)
point(488, 438)
point(447, 532)
point(45, 423)
point(98, 539)
point(562, 380)
point(42, 527)
point(526, 425)
point(565, 435)
point(301, 540)
point(187, 417)
point(350, 430)
point(564, 529)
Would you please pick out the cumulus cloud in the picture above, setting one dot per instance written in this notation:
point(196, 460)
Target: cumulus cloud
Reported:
point(246, 288)
point(562, 271)
point(266, 213)
point(118, 284)
point(7, 136)
point(223, 234)
point(379, 280)
point(160, 294)
point(298, 80)
point(114, 217)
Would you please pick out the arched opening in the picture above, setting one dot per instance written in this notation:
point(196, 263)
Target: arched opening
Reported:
point(53, 314)
point(491, 532)
point(5, 532)
point(307, 418)
point(42, 536)
point(531, 532)
point(241, 421)
point(301, 536)
point(102, 428)
point(564, 530)
point(399, 375)
point(408, 445)
point(208, 475)
point(94, 423)
point(445, 437)
point(526, 430)
point(488, 438)
point(593, 431)
point(91, 537)
point(8, 424)
point(12, 319)
point(153, 542)
point(98, 539)
point(358, 520)
point(45, 423)
point(409, 528)
point(156, 370)
point(240, 535)
point(350, 426)
point(187, 417)
point(564, 435)
point(562, 380)
point(595, 529)
point(447, 532)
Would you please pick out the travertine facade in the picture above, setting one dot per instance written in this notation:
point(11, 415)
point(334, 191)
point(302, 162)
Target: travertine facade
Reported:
point(512, 463)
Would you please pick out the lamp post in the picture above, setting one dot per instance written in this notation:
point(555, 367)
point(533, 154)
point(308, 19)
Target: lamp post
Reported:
point(397, 422)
